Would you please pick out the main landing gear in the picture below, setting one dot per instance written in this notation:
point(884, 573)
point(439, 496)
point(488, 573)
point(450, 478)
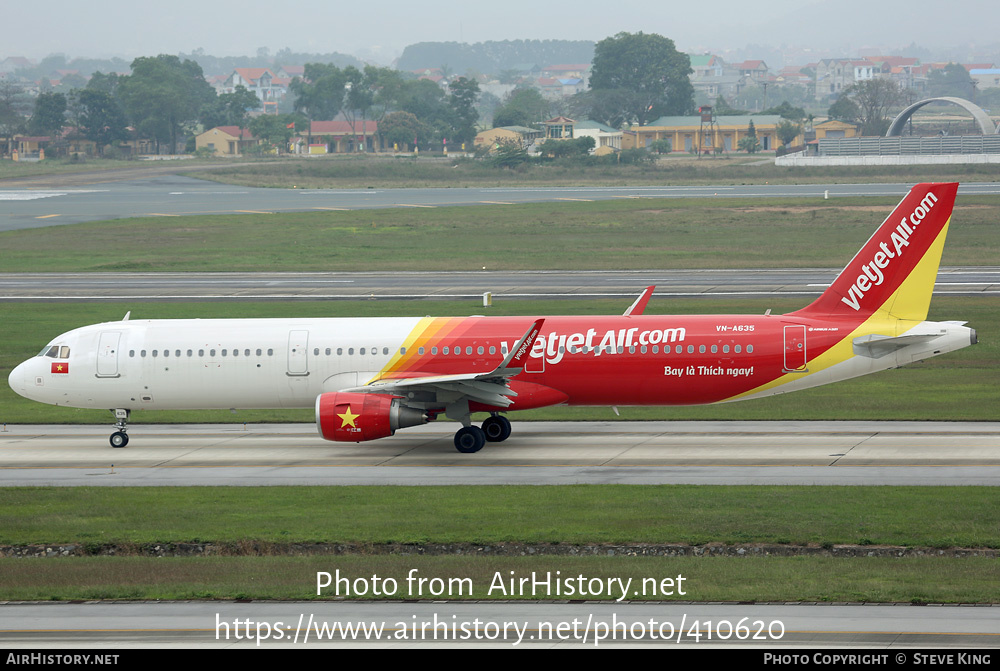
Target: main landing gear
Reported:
point(471, 438)
point(120, 438)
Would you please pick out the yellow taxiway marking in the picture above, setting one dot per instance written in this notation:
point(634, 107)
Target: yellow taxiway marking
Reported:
point(581, 200)
point(334, 209)
point(161, 214)
point(411, 205)
point(47, 216)
point(495, 202)
point(254, 212)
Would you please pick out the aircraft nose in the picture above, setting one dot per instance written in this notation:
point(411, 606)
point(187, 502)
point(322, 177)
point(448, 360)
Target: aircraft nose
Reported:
point(18, 378)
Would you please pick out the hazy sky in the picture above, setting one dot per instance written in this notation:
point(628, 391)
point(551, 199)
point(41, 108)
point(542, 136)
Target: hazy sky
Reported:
point(229, 27)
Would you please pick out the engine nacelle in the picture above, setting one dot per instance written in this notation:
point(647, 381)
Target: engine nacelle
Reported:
point(353, 418)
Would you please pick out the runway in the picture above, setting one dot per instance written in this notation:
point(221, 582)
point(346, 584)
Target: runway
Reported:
point(266, 625)
point(538, 453)
point(520, 285)
point(172, 195)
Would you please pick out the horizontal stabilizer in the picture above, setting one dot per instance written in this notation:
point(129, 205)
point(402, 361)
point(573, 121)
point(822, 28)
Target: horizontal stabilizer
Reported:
point(878, 346)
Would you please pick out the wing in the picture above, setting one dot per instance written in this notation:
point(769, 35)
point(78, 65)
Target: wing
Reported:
point(492, 388)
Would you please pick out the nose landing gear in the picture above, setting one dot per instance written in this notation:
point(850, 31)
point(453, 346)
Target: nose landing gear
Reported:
point(120, 438)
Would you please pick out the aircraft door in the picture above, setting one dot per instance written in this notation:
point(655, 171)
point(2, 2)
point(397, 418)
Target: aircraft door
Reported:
point(795, 349)
point(107, 354)
point(298, 352)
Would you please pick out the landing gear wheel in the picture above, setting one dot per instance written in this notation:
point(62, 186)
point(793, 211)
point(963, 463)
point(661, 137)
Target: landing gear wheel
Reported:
point(469, 439)
point(496, 428)
point(119, 439)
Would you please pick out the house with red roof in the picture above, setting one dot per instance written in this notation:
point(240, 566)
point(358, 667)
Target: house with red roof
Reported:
point(338, 137)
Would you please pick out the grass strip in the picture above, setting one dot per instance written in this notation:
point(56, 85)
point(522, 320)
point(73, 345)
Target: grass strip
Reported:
point(606, 235)
point(782, 579)
point(934, 517)
point(405, 171)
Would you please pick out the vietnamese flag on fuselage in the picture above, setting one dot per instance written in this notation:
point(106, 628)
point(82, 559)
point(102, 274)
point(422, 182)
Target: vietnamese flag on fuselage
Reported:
point(62, 367)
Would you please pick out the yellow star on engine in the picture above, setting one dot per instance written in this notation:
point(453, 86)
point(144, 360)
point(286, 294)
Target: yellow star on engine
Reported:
point(347, 419)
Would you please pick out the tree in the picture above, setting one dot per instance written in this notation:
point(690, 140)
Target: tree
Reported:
point(462, 100)
point(874, 98)
point(788, 131)
point(749, 142)
point(952, 80)
point(273, 129)
point(101, 118)
point(49, 115)
point(319, 94)
point(13, 105)
point(163, 95)
point(402, 128)
point(647, 71)
point(230, 109)
point(521, 107)
point(844, 109)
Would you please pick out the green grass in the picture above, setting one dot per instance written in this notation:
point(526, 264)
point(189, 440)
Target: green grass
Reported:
point(607, 235)
point(385, 171)
point(872, 580)
point(577, 514)
point(960, 386)
point(933, 517)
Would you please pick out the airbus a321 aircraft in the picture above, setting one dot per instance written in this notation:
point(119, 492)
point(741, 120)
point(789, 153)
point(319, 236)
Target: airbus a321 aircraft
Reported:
point(368, 377)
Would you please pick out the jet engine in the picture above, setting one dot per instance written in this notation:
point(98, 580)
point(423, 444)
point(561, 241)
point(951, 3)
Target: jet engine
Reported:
point(348, 417)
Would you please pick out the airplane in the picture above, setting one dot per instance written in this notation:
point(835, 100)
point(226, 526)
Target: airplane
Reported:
point(366, 378)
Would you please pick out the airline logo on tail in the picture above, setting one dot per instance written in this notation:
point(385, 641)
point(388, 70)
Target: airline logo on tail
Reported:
point(899, 238)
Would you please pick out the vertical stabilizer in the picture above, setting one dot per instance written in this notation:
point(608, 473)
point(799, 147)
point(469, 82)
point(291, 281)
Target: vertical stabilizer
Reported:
point(894, 273)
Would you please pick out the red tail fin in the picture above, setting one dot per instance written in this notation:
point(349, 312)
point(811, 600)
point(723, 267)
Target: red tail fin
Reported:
point(895, 271)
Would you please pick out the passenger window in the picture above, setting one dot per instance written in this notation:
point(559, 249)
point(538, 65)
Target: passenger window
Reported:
point(738, 349)
point(340, 351)
point(155, 353)
point(236, 352)
point(328, 351)
point(166, 352)
point(656, 349)
point(201, 352)
point(316, 352)
point(385, 350)
point(434, 350)
point(444, 350)
point(211, 352)
point(350, 350)
point(143, 354)
point(493, 350)
point(270, 352)
point(131, 353)
point(749, 349)
point(246, 352)
point(725, 349)
point(468, 350)
point(715, 348)
point(190, 353)
point(361, 351)
point(690, 349)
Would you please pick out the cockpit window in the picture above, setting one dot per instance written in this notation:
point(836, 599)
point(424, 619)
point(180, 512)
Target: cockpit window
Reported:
point(55, 351)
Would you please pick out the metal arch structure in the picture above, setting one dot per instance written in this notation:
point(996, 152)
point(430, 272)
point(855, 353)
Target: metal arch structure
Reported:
point(982, 119)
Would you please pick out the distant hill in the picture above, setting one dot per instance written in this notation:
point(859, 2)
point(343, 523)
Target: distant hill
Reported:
point(494, 57)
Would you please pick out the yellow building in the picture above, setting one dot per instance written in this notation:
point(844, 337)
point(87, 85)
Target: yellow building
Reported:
point(689, 134)
point(225, 140)
point(833, 130)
